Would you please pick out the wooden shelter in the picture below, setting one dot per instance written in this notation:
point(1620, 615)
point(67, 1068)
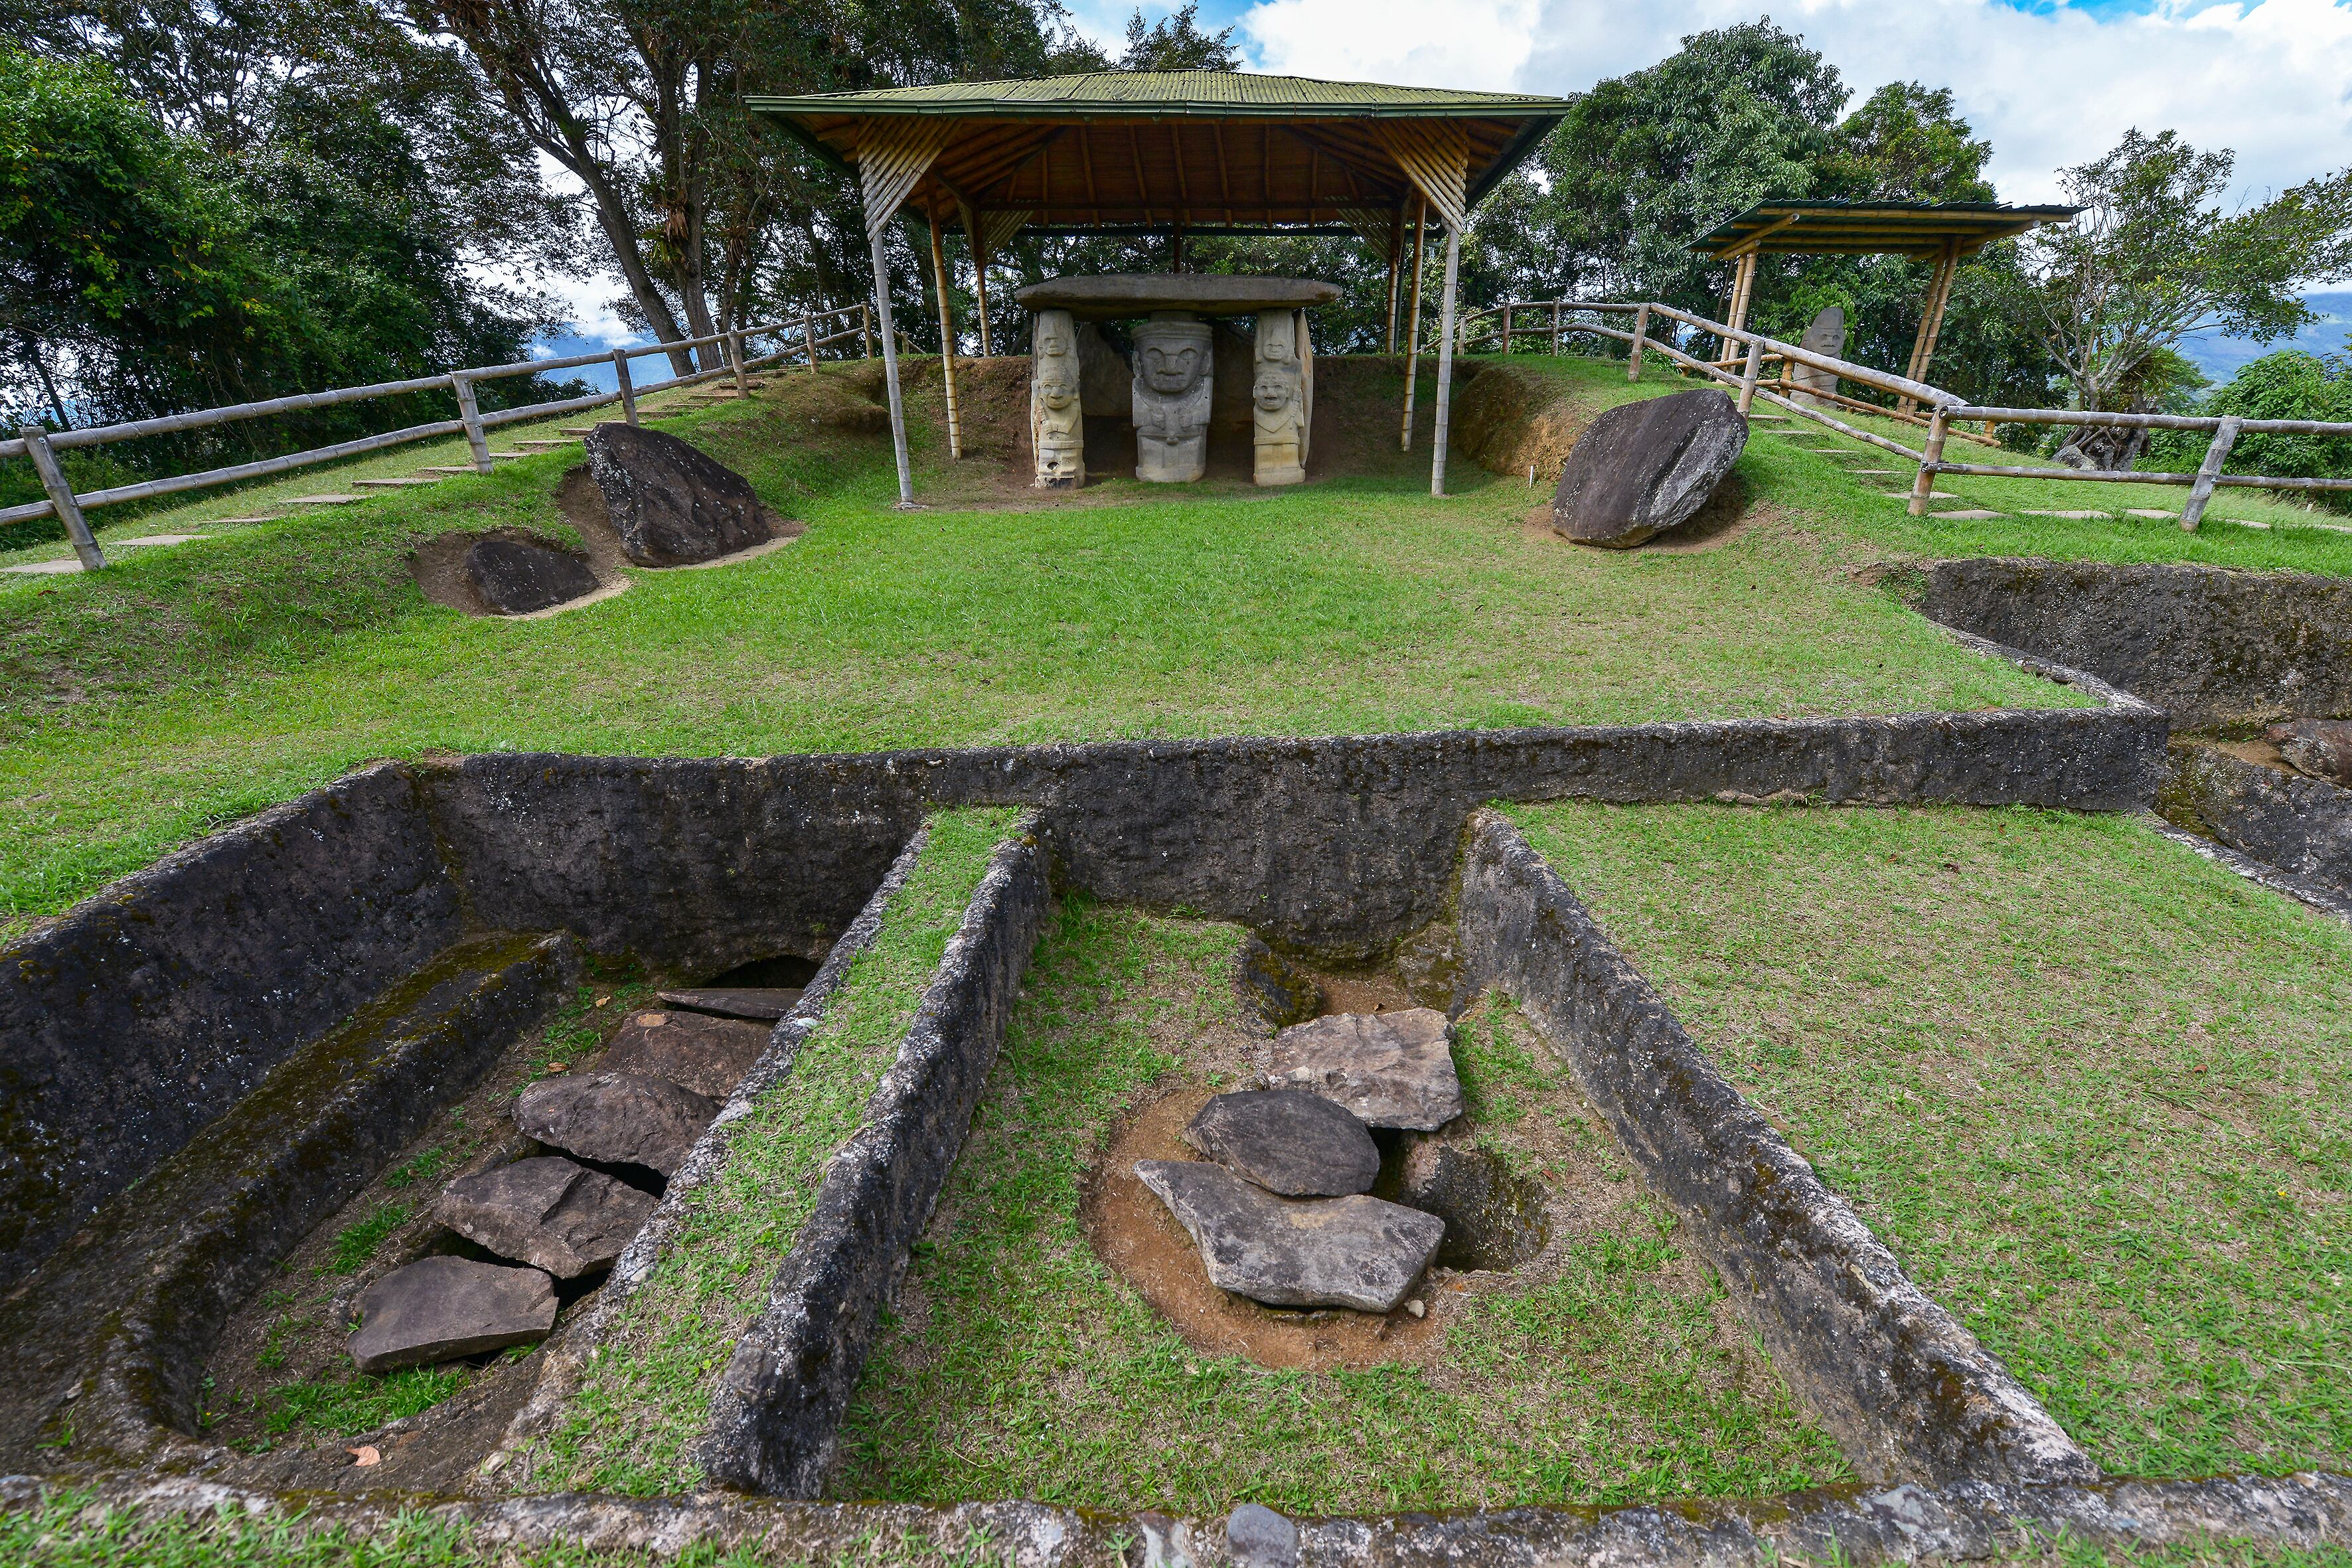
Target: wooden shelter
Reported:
point(1945, 233)
point(1179, 153)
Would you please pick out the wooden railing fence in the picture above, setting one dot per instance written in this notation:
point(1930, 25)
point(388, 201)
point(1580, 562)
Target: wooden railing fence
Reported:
point(797, 338)
point(1946, 410)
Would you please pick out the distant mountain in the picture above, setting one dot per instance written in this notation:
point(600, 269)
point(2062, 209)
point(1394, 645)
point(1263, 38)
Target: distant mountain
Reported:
point(2220, 357)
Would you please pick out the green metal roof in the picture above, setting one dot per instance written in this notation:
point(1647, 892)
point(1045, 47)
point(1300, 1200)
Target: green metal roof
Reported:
point(1156, 93)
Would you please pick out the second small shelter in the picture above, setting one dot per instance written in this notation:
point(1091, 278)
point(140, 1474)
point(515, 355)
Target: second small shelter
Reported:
point(1177, 153)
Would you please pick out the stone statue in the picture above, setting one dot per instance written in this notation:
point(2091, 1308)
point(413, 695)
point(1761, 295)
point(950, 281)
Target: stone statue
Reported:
point(1278, 400)
point(1057, 425)
point(1172, 387)
point(1825, 336)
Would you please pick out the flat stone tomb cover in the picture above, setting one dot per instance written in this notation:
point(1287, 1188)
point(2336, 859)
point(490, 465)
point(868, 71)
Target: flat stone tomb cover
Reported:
point(1356, 1252)
point(547, 1212)
point(768, 1003)
point(619, 1118)
point(696, 1051)
point(438, 1309)
point(1121, 294)
point(1297, 1144)
point(1391, 1069)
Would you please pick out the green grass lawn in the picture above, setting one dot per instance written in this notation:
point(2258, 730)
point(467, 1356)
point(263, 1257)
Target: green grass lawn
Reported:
point(142, 707)
point(644, 1401)
point(2096, 1093)
point(1032, 1370)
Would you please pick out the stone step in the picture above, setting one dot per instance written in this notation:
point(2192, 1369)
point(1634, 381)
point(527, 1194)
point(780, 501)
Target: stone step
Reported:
point(1932, 495)
point(390, 484)
point(330, 497)
point(551, 441)
point(1971, 514)
point(2152, 513)
point(569, 430)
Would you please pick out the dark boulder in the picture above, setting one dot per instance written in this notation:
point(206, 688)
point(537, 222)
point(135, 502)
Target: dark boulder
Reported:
point(516, 576)
point(671, 505)
point(693, 1050)
point(617, 1117)
point(547, 1212)
point(1644, 467)
point(2319, 747)
point(1299, 1145)
point(1296, 1252)
point(439, 1308)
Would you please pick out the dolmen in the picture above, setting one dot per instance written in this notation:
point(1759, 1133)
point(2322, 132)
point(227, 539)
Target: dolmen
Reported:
point(567, 1214)
point(1280, 1207)
point(1644, 467)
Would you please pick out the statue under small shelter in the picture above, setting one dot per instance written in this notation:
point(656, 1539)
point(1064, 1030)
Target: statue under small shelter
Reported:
point(1173, 388)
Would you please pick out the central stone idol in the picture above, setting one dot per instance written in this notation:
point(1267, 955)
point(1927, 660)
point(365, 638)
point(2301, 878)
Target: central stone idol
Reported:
point(1173, 389)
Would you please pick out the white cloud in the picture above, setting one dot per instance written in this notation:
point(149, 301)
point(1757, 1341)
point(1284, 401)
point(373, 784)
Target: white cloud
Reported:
point(2268, 79)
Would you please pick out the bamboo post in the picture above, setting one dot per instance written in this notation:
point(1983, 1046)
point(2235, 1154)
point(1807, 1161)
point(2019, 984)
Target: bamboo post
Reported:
point(1413, 322)
point(735, 358)
point(947, 341)
point(1445, 361)
point(61, 498)
point(1641, 334)
point(1507, 326)
point(1923, 487)
point(2207, 471)
point(864, 330)
point(1555, 328)
point(629, 388)
point(470, 412)
point(808, 339)
point(1931, 320)
point(1396, 267)
point(980, 274)
point(890, 369)
point(1748, 376)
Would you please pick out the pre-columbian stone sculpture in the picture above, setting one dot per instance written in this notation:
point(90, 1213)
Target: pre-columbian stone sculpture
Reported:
point(1278, 394)
point(1172, 387)
point(1825, 336)
point(1057, 429)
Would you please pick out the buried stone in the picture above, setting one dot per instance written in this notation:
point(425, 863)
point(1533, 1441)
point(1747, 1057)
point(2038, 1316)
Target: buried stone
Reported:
point(672, 505)
point(438, 1309)
point(1353, 1252)
point(619, 1118)
point(1299, 1145)
point(2319, 747)
point(1391, 1069)
point(518, 576)
point(702, 1054)
point(546, 1212)
point(1645, 467)
point(765, 1003)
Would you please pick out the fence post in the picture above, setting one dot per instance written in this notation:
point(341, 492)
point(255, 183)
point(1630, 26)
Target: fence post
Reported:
point(1507, 327)
point(1641, 333)
point(1748, 375)
point(808, 339)
point(628, 387)
point(470, 412)
point(735, 358)
point(61, 498)
point(865, 332)
point(1555, 328)
point(2207, 472)
point(1923, 486)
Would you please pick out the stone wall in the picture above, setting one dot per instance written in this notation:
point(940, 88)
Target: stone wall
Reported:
point(2301, 826)
point(2216, 648)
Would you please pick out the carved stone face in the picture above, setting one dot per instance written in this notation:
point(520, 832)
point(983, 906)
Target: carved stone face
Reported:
point(1172, 369)
point(1275, 390)
point(1057, 379)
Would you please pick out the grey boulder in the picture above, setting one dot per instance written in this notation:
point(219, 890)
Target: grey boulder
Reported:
point(1299, 1145)
point(517, 576)
point(2319, 747)
point(1296, 1252)
point(547, 1212)
point(671, 504)
point(765, 1002)
point(1391, 1069)
point(439, 1308)
point(693, 1050)
point(619, 1118)
point(1644, 467)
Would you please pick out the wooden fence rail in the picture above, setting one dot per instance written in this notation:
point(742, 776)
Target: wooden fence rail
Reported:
point(43, 445)
point(1945, 408)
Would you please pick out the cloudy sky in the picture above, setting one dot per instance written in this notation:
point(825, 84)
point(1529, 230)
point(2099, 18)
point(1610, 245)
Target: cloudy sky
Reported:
point(2052, 82)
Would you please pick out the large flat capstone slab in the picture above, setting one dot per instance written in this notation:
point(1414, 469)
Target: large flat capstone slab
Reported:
point(1122, 294)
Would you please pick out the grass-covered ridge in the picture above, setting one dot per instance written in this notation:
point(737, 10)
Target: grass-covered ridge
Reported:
point(642, 1402)
point(1030, 1369)
point(2092, 1089)
point(141, 707)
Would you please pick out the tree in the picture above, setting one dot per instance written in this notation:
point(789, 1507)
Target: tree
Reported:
point(1175, 43)
point(1906, 143)
point(2152, 258)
